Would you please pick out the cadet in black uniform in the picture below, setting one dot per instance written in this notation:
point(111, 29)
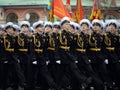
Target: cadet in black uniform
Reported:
point(11, 65)
point(2, 52)
point(81, 47)
point(18, 69)
point(112, 44)
point(26, 52)
point(53, 54)
point(118, 52)
point(40, 48)
point(70, 68)
point(95, 52)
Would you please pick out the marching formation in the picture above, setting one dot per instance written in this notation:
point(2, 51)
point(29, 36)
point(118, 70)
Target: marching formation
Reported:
point(60, 56)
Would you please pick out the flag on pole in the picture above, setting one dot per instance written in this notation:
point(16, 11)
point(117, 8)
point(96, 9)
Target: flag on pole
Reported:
point(49, 4)
point(68, 2)
point(58, 10)
point(49, 7)
point(96, 12)
point(79, 14)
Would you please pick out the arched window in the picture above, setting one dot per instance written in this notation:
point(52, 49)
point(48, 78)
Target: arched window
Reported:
point(33, 17)
point(12, 17)
point(110, 17)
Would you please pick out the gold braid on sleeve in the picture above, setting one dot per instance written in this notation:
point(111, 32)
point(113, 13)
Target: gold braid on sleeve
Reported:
point(92, 41)
point(36, 42)
point(51, 41)
point(20, 41)
point(80, 41)
point(6, 43)
point(107, 40)
point(63, 39)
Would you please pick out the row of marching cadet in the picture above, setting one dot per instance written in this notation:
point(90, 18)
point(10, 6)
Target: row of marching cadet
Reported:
point(60, 56)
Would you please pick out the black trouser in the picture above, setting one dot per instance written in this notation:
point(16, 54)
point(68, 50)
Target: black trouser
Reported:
point(53, 67)
point(99, 66)
point(12, 70)
point(43, 71)
point(84, 63)
point(0, 73)
point(3, 83)
point(18, 72)
point(26, 65)
point(16, 75)
point(4, 76)
point(69, 63)
point(114, 66)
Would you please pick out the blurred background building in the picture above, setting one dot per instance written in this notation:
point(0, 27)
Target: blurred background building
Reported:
point(34, 10)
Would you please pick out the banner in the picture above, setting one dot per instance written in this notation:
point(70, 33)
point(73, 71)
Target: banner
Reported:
point(96, 12)
point(79, 14)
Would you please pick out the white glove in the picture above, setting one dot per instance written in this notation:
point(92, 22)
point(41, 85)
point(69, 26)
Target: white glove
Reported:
point(76, 61)
point(58, 62)
point(5, 61)
point(47, 62)
point(119, 61)
point(106, 61)
point(89, 61)
point(18, 61)
point(35, 62)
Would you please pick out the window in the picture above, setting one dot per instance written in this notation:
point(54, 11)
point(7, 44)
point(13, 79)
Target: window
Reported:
point(33, 18)
point(110, 17)
point(12, 18)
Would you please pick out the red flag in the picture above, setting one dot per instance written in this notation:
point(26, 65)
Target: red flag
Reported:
point(79, 14)
point(96, 12)
point(68, 2)
point(59, 10)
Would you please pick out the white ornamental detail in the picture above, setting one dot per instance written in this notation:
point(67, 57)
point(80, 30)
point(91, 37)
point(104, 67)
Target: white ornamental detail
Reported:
point(27, 17)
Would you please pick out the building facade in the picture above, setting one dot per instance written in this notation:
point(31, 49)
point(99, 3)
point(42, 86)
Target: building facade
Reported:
point(34, 10)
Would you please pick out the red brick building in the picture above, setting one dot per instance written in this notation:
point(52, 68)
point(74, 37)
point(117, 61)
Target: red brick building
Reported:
point(33, 10)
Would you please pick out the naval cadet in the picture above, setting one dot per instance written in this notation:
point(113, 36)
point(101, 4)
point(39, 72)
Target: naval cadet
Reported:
point(96, 55)
point(67, 58)
point(112, 46)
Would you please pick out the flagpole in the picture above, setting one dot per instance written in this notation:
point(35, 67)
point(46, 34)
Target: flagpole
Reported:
point(78, 10)
point(53, 9)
